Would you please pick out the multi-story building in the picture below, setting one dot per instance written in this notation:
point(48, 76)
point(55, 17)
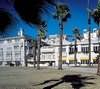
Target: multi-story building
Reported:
point(50, 54)
point(13, 50)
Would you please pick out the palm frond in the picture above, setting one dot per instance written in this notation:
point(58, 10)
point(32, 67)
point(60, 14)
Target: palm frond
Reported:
point(5, 20)
point(43, 30)
point(76, 32)
point(32, 10)
point(96, 16)
point(62, 11)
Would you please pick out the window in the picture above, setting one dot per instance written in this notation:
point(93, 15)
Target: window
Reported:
point(43, 57)
point(9, 41)
point(53, 56)
point(53, 41)
point(71, 61)
point(63, 49)
point(16, 40)
point(64, 62)
point(85, 49)
point(49, 56)
point(84, 61)
point(17, 51)
point(16, 47)
point(18, 63)
point(72, 50)
point(1, 53)
point(9, 53)
point(96, 49)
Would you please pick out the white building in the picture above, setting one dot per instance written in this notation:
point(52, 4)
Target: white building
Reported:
point(16, 49)
point(50, 54)
point(13, 49)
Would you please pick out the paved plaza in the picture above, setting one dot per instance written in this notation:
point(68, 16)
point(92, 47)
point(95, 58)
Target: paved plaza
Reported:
point(49, 78)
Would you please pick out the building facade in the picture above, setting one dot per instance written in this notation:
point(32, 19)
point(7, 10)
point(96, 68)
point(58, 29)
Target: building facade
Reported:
point(14, 50)
point(50, 54)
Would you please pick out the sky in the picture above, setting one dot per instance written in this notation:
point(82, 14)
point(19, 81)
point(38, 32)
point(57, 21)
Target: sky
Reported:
point(78, 11)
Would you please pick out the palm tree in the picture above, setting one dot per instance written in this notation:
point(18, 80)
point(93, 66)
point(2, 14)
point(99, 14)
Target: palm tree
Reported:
point(76, 36)
point(5, 20)
point(96, 17)
point(62, 14)
point(41, 35)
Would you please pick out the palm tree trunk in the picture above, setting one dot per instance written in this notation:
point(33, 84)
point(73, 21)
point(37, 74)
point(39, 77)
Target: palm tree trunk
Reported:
point(60, 46)
point(25, 56)
point(75, 53)
point(34, 55)
point(89, 36)
point(89, 47)
point(98, 69)
point(38, 51)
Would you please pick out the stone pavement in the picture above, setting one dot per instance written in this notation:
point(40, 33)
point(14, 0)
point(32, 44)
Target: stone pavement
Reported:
point(49, 78)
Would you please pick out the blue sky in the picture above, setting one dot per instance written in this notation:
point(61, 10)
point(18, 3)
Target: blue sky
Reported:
point(78, 18)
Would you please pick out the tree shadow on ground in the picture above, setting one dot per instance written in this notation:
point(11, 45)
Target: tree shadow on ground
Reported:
point(76, 81)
